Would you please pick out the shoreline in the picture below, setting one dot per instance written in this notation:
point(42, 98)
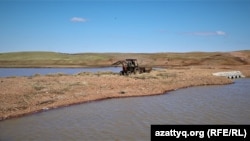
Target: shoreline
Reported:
point(56, 66)
point(95, 100)
point(21, 96)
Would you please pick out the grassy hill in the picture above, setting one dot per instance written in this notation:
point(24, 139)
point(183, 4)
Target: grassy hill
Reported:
point(53, 59)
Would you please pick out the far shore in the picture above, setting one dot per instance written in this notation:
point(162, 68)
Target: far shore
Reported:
point(21, 96)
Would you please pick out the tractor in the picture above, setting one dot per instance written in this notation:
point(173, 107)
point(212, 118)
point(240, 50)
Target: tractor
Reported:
point(130, 66)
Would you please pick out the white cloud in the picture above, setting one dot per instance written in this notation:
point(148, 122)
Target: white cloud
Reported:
point(208, 33)
point(220, 33)
point(78, 19)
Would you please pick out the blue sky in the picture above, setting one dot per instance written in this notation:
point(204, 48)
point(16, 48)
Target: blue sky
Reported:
point(74, 26)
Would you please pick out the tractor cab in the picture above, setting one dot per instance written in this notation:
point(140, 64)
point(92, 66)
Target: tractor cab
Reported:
point(132, 62)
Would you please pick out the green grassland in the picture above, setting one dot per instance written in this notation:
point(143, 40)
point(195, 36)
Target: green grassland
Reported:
point(54, 59)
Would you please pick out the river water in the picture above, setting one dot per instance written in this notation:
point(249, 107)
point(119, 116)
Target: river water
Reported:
point(8, 72)
point(130, 118)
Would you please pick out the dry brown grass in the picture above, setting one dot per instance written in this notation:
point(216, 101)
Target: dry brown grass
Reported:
point(24, 95)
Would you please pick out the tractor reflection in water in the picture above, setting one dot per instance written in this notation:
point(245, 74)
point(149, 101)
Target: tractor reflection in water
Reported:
point(130, 66)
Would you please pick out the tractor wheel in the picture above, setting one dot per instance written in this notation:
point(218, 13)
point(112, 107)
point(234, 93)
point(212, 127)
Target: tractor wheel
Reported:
point(136, 71)
point(121, 73)
point(128, 73)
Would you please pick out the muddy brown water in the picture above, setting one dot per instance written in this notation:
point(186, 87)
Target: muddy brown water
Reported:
point(130, 118)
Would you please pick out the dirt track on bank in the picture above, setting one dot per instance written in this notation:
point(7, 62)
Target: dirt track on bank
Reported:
point(25, 95)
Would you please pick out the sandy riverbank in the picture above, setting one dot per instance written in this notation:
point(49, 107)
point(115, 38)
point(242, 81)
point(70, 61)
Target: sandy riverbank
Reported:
point(25, 95)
